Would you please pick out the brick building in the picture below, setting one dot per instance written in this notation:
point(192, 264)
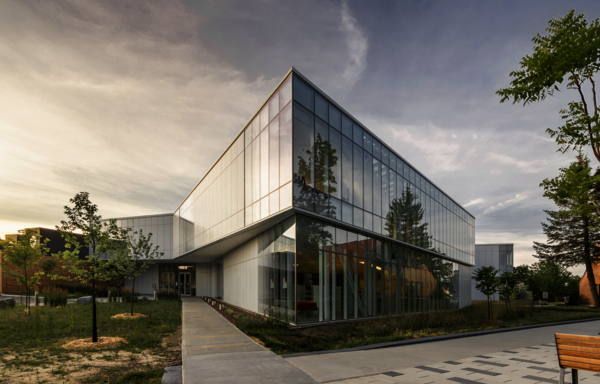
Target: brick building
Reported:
point(56, 244)
point(585, 296)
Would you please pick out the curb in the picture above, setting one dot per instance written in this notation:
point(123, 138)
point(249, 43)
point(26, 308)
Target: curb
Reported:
point(431, 339)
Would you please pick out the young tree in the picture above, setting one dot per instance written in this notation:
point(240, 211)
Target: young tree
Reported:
point(570, 50)
point(100, 239)
point(549, 277)
point(21, 256)
point(48, 266)
point(487, 283)
point(507, 283)
point(138, 257)
point(572, 231)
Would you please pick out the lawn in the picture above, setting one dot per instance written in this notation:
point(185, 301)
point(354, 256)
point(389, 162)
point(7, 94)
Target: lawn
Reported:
point(32, 344)
point(283, 339)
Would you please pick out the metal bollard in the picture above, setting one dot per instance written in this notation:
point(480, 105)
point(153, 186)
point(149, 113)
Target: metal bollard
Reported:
point(220, 307)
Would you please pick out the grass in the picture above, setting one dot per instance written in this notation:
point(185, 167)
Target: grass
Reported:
point(282, 339)
point(141, 376)
point(48, 328)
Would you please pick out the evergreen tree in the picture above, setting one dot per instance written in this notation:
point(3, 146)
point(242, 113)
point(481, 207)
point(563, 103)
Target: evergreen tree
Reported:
point(572, 231)
point(404, 221)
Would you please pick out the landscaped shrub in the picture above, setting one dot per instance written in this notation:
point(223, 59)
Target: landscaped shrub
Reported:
point(127, 296)
point(54, 296)
point(167, 294)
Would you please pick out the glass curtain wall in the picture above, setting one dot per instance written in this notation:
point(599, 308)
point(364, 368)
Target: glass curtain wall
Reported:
point(342, 274)
point(249, 182)
point(342, 172)
point(276, 270)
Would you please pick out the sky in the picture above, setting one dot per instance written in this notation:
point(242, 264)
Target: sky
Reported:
point(134, 101)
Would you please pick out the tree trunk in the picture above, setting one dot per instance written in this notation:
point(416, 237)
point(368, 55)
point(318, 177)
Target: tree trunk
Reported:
point(94, 325)
point(589, 268)
point(489, 309)
point(132, 293)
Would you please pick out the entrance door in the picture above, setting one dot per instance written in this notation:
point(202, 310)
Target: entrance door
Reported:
point(185, 283)
point(168, 280)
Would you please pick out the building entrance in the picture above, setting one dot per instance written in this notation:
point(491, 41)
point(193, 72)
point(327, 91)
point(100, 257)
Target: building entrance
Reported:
point(168, 280)
point(185, 283)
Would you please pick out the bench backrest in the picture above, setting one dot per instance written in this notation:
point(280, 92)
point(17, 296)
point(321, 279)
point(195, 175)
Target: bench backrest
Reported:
point(578, 352)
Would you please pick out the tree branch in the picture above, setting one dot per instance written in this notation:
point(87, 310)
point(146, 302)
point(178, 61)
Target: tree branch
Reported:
point(585, 108)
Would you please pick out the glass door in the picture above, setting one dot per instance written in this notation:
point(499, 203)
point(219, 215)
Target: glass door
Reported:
point(167, 280)
point(185, 283)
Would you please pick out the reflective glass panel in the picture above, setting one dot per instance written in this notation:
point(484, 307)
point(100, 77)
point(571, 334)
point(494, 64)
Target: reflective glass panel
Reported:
point(321, 108)
point(304, 94)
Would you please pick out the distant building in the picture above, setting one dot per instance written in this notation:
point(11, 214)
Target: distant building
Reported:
point(56, 244)
point(585, 295)
point(496, 255)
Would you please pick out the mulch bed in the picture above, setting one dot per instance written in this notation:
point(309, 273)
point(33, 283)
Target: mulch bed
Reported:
point(128, 316)
point(232, 319)
point(103, 342)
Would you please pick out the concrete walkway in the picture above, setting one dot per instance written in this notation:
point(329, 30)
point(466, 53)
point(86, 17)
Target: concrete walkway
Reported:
point(215, 351)
point(404, 359)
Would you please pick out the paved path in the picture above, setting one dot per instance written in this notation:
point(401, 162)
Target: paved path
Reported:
point(530, 365)
point(214, 351)
point(369, 365)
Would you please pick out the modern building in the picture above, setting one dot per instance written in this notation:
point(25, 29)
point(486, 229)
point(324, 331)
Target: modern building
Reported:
point(309, 215)
point(585, 294)
point(500, 256)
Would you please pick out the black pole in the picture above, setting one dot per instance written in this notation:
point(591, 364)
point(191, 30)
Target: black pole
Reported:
point(94, 326)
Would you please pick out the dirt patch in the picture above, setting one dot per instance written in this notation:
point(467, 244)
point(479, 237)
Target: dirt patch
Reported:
point(102, 343)
point(128, 316)
point(75, 366)
point(230, 315)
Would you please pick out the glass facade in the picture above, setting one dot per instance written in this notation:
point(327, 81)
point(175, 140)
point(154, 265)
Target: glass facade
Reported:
point(250, 182)
point(341, 171)
point(312, 271)
point(178, 277)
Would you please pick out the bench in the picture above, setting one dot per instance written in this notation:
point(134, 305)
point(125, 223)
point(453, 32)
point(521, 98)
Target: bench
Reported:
point(577, 352)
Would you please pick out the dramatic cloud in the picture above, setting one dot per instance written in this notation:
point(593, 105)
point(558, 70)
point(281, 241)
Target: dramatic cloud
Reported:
point(479, 200)
point(534, 166)
point(357, 44)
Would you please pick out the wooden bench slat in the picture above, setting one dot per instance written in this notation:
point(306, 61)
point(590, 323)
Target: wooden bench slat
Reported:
point(579, 359)
point(578, 349)
point(578, 343)
point(587, 355)
point(575, 365)
point(577, 337)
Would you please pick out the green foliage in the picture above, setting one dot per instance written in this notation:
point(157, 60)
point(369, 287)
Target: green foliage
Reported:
point(101, 239)
point(487, 283)
point(54, 296)
point(48, 266)
point(550, 277)
point(507, 283)
point(570, 51)
point(167, 294)
point(22, 256)
point(138, 255)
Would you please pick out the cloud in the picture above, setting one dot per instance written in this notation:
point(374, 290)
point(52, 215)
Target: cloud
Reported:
point(441, 154)
point(533, 166)
point(357, 44)
point(479, 200)
point(517, 198)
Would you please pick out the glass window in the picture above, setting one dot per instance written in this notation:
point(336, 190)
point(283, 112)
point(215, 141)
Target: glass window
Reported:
point(304, 94)
point(336, 207)
point(367, 142)
point(335, 117)
point(274, 202)
point(304, 138)
point(358, 217)
point(341, 241)
point(368, 181)
point(385, 155)
point(274, 106)
point(393, 162)
point(285, 93)
point(285, 196)
point(358, 135)
point(347, 213)
point(347, 126)
point(376, 187)
point(418, 180)
point(385, 190)
point(308, 270)
point(413, 176)
point(321, 108)
point(255, 170)
point(264, 117)
point(346, 170)
point(358, 176)
point(376, 149)
point(285, 145)
point(255, 126)
point(335, 163)
point(352, 243)
point(321, 155)
point(264, 163)
point(274, 154)
point(368, 221)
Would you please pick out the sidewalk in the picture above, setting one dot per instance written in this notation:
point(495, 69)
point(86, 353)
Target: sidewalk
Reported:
point(408, 359)
point(215, 351)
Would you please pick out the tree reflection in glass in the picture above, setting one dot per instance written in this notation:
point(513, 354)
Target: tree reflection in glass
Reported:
point(405, 222)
